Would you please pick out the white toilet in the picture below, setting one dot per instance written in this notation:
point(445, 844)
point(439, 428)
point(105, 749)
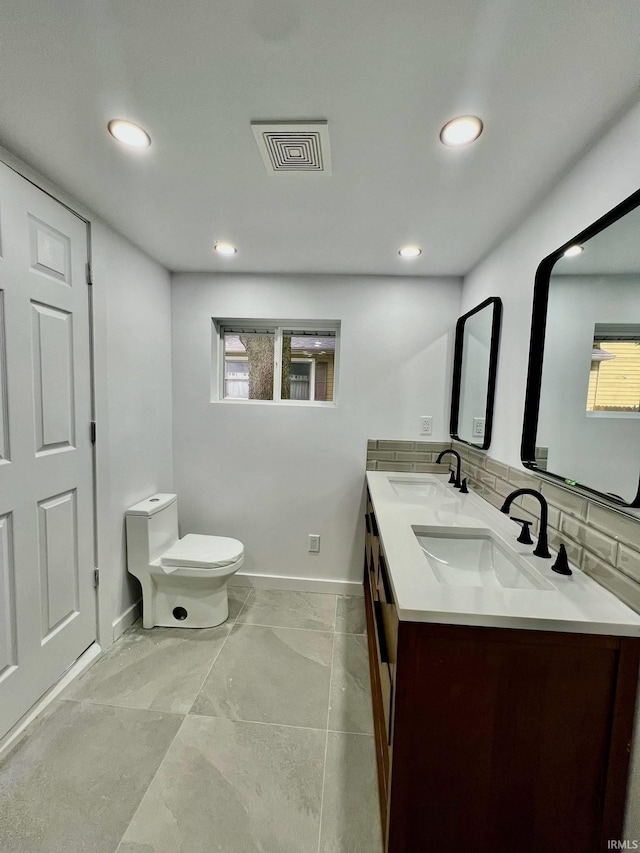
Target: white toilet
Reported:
point(184, 581)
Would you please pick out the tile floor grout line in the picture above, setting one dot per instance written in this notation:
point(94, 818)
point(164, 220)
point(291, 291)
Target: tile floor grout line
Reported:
point(164, 758)
point(231, 627)
point(243, 606)
point(257, 722)
point(341, 732)
point(173, 740)
point(208, 672)
point(287, 627)
point(326, 739)
point(182, 714)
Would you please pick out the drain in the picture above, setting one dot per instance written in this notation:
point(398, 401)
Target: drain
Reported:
point(180, 613)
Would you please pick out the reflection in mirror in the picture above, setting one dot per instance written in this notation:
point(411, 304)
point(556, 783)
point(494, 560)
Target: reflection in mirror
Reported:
point(582, 415)
point(474, 373)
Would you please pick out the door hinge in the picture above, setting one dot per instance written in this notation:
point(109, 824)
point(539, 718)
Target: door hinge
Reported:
point(96, 577)
point(93, 432)
point(89, 275)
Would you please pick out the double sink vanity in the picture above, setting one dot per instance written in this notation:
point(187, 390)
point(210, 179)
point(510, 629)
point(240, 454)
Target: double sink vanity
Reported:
point(504, 678)
point(503, 691)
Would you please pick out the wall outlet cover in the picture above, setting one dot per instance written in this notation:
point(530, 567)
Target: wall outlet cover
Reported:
point(478, 428)
point(314, 543)
point(426, 424)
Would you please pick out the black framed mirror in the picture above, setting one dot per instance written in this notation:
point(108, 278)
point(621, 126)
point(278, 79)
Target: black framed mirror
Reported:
point(582, 407)
point(475, 365)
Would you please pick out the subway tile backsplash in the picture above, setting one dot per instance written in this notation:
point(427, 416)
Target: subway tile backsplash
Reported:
point(604, 543)
point(416, 457)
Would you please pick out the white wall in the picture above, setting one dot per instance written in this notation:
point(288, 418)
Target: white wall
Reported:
point(600, 449)
point(604, 177)
point(270, 475)
point(133, 397)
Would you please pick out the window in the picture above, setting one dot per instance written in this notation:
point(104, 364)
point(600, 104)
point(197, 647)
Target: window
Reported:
point(280, 363)
point(614, 378)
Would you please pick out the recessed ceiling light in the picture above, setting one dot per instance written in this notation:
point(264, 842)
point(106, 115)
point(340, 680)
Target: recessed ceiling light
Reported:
point(410, 251)
point(129, 133)
point(573, 251)
point(461, 131)
point(225, 248)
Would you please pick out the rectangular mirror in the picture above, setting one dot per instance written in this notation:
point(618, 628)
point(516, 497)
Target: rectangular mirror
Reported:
point(474, 373)
point(582, 410)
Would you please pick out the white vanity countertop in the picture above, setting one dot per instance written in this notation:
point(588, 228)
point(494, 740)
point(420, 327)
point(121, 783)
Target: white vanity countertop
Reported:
point(575, 603)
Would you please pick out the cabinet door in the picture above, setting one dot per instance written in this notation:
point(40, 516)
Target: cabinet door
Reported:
point(377, 691)
point(502, 739)
point(389, 613)
point(386, 682)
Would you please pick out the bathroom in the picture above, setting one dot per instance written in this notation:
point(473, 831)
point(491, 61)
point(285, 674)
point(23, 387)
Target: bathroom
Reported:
point(271, 475)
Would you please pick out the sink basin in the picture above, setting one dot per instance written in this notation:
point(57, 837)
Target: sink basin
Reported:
point(475, 558)
point(412, 489)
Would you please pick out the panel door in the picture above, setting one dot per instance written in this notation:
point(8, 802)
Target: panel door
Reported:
point(47, 597)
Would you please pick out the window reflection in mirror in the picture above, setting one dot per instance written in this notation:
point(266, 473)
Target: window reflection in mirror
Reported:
point(585, 361)
point(614, 377)
point(474, 373)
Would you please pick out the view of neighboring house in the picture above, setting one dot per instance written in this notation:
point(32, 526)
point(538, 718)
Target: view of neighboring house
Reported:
point(310, 363)
point(614, 379)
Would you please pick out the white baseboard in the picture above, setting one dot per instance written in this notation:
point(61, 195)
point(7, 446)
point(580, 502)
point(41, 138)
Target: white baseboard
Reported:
point(297, 584)
point(85, 659)
point(126, 619)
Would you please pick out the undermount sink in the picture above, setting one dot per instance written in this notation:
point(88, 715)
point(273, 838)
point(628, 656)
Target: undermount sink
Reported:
point(426, 488)
point(475, 558)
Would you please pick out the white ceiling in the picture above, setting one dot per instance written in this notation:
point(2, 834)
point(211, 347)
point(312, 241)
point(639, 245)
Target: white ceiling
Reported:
point(546, 77)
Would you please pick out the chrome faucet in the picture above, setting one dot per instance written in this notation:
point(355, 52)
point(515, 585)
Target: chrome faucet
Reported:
point(456, 481)
point(542, 548)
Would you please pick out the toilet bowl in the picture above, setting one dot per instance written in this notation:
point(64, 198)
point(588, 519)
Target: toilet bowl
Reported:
point(184, 581)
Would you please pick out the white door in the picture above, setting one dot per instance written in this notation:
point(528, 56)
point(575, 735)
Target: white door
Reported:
point(47, 596)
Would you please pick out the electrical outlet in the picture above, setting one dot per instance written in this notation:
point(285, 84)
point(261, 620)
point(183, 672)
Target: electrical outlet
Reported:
point(314, 543)
point(426, 424)
point(478, 428)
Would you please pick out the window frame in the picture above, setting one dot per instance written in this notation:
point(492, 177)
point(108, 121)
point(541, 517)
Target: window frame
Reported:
point(603, 412)
point(312, 378)
point(240, 359)
point(277, 328)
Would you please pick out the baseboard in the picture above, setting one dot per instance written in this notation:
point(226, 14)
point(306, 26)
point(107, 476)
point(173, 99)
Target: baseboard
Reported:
point(85, 659)
point(126, 619)
point(297, 584)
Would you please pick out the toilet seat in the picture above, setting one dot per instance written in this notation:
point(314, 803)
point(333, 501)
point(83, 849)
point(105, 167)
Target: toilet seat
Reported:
point(202, 552)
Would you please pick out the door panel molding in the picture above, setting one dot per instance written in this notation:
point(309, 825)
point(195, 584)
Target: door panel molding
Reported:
point(47, 488)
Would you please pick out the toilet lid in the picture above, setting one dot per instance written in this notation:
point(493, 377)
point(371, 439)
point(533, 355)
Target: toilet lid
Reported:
point(203, 552)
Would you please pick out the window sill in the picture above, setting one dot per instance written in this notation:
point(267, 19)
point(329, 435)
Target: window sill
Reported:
point(310, 404)
point(622, 415)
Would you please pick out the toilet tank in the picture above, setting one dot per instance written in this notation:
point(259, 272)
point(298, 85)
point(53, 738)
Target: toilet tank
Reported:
point(152, 527)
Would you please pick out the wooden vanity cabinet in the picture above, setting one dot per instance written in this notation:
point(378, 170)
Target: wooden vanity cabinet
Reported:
point(496, 740)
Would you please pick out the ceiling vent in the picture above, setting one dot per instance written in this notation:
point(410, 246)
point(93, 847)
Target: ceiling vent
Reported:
point(298, 146)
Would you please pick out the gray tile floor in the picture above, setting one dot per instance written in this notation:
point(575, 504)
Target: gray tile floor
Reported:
point(253, 737)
